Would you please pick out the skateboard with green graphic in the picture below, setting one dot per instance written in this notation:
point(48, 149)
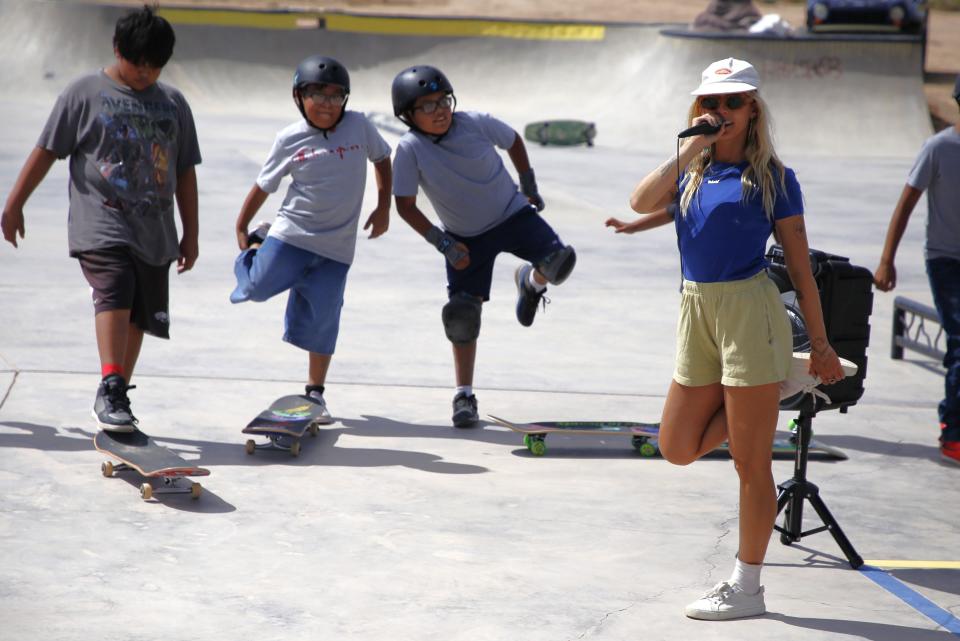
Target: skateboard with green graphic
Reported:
point(561, 132)
point(283, 423)
point(643, 437)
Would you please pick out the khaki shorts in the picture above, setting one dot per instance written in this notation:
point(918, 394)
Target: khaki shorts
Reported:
point(736, 333)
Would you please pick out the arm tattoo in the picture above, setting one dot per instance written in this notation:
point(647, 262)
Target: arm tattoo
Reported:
point(799, 229)
point(666, 167)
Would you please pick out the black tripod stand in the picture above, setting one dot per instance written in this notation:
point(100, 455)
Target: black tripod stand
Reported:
point(794, 491)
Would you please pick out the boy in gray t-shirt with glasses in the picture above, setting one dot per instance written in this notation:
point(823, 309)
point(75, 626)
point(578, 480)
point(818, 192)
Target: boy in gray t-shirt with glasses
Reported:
point(132, 146)
point(453, 157)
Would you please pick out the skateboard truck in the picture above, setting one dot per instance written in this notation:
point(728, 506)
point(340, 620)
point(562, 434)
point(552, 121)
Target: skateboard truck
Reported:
point(276, 442)
point(172, 484)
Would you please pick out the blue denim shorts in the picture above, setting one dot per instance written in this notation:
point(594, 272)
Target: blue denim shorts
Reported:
point(316, 285)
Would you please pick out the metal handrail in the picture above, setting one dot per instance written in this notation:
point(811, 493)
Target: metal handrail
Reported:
point(910, 331)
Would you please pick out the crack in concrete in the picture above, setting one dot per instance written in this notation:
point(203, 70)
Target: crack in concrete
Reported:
point(725, 527)
point(13, 382)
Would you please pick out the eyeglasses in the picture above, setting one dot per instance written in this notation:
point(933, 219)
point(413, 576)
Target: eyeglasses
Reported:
point(316, 95)
point(733, 102)
point(429, 106)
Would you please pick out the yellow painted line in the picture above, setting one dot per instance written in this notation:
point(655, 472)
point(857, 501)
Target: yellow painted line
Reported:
point(253, 19)
point(464, 28)
point(888, 564)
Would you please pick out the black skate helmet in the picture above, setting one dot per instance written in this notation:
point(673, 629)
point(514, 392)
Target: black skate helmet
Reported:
point(414, 82)
point(320, 70)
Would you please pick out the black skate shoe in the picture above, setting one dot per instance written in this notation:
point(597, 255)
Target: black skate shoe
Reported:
point(465, 410)
point(112, 407)
point(528, 299)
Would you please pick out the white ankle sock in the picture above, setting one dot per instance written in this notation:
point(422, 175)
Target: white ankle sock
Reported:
point(466, 389)
point(746, 577)
point(533, 282)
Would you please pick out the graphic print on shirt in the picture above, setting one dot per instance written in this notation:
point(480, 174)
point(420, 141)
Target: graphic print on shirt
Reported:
point(309, 153)
point(143, 141)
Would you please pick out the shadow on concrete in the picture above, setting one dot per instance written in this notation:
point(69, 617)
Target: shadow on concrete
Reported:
point(43, 437)
point(863, 629)
point(939, 579)
point(878, 446)
point(207, 503)
point(76, 439)
point(319, 451)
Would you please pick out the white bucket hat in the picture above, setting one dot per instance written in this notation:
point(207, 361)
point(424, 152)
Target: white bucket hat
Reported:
point(727, 76)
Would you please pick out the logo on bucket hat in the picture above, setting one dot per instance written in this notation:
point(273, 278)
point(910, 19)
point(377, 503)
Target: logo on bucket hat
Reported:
point(728, 76)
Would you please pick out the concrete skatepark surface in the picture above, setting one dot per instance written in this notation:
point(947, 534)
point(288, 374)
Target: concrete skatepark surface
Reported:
point(392, 524)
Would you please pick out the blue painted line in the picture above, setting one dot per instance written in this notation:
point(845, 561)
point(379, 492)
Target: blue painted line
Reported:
point(914, 599)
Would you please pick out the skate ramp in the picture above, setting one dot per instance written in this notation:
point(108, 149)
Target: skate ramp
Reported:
point(830, 95)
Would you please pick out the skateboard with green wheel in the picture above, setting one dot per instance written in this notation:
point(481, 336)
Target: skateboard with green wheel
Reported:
point(642, 435)
point(283, 423)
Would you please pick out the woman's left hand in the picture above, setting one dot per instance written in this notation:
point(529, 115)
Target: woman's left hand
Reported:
point(825, 364)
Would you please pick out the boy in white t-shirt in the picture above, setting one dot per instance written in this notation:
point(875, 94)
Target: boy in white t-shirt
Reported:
point(310, 246)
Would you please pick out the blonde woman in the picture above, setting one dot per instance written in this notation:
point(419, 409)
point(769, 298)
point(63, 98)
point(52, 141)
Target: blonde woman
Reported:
point(734, 341)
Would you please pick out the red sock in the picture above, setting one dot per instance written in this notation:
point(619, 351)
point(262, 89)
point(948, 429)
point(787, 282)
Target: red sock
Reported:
point(110, 368)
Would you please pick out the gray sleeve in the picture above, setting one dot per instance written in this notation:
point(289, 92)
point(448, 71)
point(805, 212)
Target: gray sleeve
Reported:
point(923, 170)
point(188, 154)
point(276, 167)
point(61, 134)
point(377, 147)
point(405, 172)
point(500, 133)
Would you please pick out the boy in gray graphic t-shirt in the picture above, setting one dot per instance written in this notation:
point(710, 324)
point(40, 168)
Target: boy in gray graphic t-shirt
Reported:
point(132, 147)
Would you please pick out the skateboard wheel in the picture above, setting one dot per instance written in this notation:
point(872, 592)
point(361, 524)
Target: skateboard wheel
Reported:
point(314, 429)
point(648, 450)
point(146, 491)
point(195, 491)
point(106, 468)
point(526, 441)
point(295, 449)
point(251, 446)
point(538, 447)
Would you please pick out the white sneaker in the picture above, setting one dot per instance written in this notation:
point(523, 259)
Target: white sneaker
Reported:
point(726, 602)
point(799, 379)
point(323, 417)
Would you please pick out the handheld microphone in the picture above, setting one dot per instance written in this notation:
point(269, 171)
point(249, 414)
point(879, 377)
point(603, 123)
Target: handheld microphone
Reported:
point(704, 128)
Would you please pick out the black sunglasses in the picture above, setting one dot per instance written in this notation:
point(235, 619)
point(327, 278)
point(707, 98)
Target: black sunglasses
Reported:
point(733, 102)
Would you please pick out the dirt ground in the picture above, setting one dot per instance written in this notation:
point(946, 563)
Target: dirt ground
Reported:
point(943, 40)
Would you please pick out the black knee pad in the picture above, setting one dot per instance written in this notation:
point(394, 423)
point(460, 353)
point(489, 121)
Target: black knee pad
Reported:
point(461, 318)
point(558, 265)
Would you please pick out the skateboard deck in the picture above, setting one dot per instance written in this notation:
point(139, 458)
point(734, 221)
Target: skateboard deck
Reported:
point(284, 423)
point(138, 452)
point(643, 437)
point(561, 132)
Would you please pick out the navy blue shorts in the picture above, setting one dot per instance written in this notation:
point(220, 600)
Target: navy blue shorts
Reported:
point(525, 235)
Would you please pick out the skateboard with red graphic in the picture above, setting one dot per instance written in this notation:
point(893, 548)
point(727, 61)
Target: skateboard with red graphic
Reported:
point(139, 453)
